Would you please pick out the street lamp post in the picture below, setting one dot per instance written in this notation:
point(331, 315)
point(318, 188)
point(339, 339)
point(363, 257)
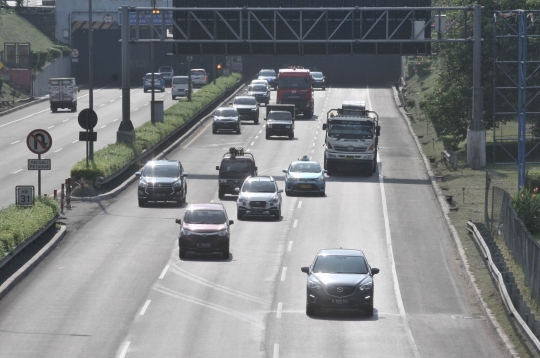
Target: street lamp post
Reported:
point(189, 58)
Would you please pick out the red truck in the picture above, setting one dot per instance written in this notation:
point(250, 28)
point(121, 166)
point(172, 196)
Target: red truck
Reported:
point(294, 86)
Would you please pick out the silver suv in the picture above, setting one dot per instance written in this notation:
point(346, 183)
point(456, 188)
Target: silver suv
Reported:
point(199, 77)
point(259, 196)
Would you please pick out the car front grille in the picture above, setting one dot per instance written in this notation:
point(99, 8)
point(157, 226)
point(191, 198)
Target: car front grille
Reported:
point(257, 204)
point(342, 148)
point(340, 291)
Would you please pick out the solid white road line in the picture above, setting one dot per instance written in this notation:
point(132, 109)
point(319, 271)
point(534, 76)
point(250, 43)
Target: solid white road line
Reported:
point(279, 309)
point(124, 350)
point(283, 273)
point(290, 246)
point(295, 223)
point(397, 291)
point(276, 350)
point(20, 119)
point(145, 307)
point(299, 204)
point(164, 272)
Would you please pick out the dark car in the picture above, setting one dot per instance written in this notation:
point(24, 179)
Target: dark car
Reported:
point(319, 81)
point(235, 167)
point(205, 229)
point(270, 76)
point(226, 119)
point(261, 92)
point(247, 107)
point(162, 180)
point(340, 279)
point(279, 120)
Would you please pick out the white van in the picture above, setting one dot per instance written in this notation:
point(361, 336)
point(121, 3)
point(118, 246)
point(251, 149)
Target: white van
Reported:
point(179, 86)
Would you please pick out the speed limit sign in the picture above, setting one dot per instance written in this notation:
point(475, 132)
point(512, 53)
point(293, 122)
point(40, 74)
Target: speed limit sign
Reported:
point(24, 195)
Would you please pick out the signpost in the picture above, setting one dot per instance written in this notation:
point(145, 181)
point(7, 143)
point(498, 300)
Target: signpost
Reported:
point(87, 120)
point(39, 141)
point(24, 195)
point(74, 55)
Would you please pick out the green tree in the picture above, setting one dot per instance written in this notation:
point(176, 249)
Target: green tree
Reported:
point(449, 105)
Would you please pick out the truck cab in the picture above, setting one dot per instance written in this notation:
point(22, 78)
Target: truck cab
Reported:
point(352, 138)
point(295, 86)
point(235, 167)
point(280, 120)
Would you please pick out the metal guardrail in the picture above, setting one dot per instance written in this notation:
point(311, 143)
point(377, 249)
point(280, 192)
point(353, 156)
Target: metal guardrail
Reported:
point(496, 274)
point(100, 182)
point(22, 245)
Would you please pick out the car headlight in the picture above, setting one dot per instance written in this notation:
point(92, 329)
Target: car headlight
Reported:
point(254, 109)
point(241, 200)
point(177, 184)
point(222, 232)
point(274, 199)
point(313, 283)
point(366, 285)
point(186, 232)
point(291, 178)
point(223, 181)
point(269, 125)
point(321, 178)
point(143, 184)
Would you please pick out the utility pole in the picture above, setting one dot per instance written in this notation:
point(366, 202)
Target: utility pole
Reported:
point(90, 74)
point(126, 132)
point(476, 134)
point(189, 58)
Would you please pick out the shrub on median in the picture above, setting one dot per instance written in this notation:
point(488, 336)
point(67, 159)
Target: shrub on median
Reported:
point(18, 223)
point(114, 157)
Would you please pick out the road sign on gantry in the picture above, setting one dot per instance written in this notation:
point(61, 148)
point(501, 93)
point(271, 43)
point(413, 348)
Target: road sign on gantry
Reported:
point(39, 141)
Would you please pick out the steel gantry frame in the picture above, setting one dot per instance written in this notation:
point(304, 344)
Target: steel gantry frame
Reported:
point(516, 82)
point(232, 31)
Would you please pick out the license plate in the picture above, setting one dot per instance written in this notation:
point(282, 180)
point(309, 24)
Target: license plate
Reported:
point(287, 126)
point(349, 158)
point(339, 301)
point(160, 195)
point(305, 186)
point(256, 210)
point(204, 245)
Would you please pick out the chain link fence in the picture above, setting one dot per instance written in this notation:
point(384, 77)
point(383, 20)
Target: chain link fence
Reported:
point(504, 221)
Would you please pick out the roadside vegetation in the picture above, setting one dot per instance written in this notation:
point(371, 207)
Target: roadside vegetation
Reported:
point(114, 157)
point(438, 98)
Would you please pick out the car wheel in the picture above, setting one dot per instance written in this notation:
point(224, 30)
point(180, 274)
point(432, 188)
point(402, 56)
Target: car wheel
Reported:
point(256, 120)
point(291, 135)
point(239, 130)
point(368, 311)
point(239, 216)
point(287, 192)
point(182, 254)
point(141, 202)
point(74, 109)
point(54, 109)
point(220, 194)
point(226, 253)
point(323, 193)
point(214, 130)
point(163, 90)
point(267, 136)
point(278, 215)
point(324, 88)
point(173, 97)
point(310, 310)
point(145, 90)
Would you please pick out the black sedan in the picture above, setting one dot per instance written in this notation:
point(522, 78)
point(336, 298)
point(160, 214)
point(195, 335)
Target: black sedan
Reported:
point(319, 81)
point(340, 279)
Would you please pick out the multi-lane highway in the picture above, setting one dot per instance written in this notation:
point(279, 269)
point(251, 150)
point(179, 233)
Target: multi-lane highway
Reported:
point(64, 128)
point(115, 287)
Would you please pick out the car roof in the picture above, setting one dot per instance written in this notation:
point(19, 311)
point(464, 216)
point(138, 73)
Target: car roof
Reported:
point(244, 97)
point(347, 252)
point(261, 178)
point(155, 73)
point(163, 162)
point(180, 76)
point(305, 161)
point(198, 69)
point(205, 206)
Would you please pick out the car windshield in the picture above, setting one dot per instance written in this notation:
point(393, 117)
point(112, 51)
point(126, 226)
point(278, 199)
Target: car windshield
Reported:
point(235, 166)
point(317, 75)
point(294, 83)
point(156, 76)
point(204, 217)
point(280, 116)
point(340, 264)
point(165, 69)
point(269, 73)
point(197, 72)
point(341, 129)
point(257, 88)
point(180, 80)
point(226, 112)
point(256, 186)
point(162, 171)
point(305, 168)
point(245, 100)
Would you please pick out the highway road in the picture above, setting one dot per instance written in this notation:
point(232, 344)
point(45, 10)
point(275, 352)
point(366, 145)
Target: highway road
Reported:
point(64, 129)
point(115, 287)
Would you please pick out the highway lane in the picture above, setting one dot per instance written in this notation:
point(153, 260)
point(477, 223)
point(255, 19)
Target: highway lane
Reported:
point(64, 129)
point(115, 287)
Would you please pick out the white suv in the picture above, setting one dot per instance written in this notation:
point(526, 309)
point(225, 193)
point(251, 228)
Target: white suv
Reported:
point(259, 196)
point(179, 86)
point(199, 76)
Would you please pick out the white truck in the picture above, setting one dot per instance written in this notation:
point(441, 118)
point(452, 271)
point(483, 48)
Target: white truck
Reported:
point(352, 138)
point(63, 94)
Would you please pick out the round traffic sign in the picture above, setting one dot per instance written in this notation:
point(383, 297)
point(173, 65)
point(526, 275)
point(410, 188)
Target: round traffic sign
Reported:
point(74, 53)
point(39, 141)
point(107, 18)
point(87, 121)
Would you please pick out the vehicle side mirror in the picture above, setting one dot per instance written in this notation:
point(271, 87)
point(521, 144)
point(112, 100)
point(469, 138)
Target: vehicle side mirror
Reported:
point(231, 222)
point(305, 269)
point(178, 221)
point(184, 175)
point(374, 271)
point(265, 118)
point(325, 171)
point(237, 190)
point(138, 174)
point(284, 171)
point(280, 191)
point(230, 103)
point(78, 89)
point(324, 126)
point(217, 167)
point(378, 130)
point(256, 169)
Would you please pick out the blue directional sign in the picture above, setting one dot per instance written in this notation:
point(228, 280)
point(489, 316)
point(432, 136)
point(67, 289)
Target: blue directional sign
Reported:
point(156, 18)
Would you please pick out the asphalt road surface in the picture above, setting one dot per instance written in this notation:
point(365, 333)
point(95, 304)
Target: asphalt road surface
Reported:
point(64, 129)
point(115, 287)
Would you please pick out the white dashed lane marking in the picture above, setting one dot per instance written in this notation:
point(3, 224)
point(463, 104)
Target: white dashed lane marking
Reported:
point(145, 307)
point(17, 141)
point(290, 246)
point(279, 309)
point(295, 223)
point(299, 204)
point(164, 272)
point(283, 274)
